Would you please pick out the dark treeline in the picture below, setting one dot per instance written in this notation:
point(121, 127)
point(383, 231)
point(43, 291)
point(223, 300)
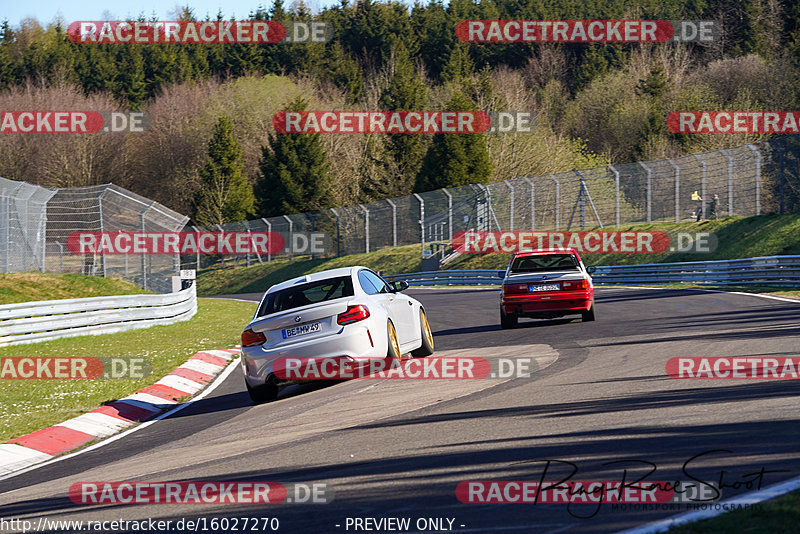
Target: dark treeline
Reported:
point(596, 103)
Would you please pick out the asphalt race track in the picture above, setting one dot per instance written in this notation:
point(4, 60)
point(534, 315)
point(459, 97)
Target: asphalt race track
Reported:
point(400, 448)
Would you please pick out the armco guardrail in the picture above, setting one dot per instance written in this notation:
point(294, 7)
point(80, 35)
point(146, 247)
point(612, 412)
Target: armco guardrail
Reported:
point(770, 270)
point(450, 278)
point(30, 322)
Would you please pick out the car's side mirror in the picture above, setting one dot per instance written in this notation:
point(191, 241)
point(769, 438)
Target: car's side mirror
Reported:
point(591, 270)
point(400, 285)
point(501, 274)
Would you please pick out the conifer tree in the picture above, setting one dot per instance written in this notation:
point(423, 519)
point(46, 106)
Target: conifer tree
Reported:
point(455, 159)
point(294, 172)
point(225, 195)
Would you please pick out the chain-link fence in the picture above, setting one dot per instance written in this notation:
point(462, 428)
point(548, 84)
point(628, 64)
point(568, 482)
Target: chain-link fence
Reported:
point(740, 181)
point(108, 208)
point(36, 223)
point(22, 225)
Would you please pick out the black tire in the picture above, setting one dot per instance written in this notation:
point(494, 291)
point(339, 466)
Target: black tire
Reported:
point(508, 320)
point(588, 315)
point(426, 349)
point(260, 394)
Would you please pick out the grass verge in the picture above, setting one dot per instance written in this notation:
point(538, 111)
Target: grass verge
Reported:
point(29, 287)
point(29, 405)
point(780, 515)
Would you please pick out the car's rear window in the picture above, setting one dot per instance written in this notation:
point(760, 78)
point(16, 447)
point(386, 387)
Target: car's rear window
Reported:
point(544, 262)
point(305, 294)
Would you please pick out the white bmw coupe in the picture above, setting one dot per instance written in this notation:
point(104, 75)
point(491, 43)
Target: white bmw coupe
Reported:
point(350, 315)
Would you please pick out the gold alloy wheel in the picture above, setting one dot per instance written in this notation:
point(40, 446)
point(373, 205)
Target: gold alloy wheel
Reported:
point(393, 340)
point(426, 329)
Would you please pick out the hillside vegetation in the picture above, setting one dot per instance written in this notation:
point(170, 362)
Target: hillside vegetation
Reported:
point(211, 150)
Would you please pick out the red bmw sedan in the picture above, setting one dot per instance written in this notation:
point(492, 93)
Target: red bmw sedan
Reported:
point(546, 284)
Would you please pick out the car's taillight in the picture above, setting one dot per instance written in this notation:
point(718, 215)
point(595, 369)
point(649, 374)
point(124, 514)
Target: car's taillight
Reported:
point(515, 289)
point(575, 284)
point(353, 314)
point(251, 338)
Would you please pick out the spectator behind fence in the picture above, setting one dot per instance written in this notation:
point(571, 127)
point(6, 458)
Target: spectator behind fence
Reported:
point(712, 207)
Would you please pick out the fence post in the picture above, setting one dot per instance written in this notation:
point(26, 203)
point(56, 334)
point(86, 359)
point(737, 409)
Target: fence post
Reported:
point(43, 239)
point(677, 190)
point(366, 227)
point(533, 202)
point(310, 215)
point(336, 212)
point(724, 152)
point(144, 230)
point(649, 191)
point(616, 193)
point(291, 236)
point(558, 200)
point(269, 233)
point(584, 194)
point(449, 212)
point(255, 248)
point(421, 219)
point(781, 177)
point(5, 227)
point(197, 256)
point(758, 177)
point(489, 209)
point(100, 213)
point(511, 206)
point(394, 222)
point(61, 256)
point(250, 241)
point(702, 185)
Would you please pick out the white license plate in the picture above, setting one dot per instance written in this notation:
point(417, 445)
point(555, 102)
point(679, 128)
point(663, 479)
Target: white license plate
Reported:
point(544, 287)
point(301, 330)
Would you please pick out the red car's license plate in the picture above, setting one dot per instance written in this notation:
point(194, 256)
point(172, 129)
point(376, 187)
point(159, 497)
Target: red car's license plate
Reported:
point(544, 287)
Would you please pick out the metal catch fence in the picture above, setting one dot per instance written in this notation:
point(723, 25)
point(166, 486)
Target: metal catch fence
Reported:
point(746, 180)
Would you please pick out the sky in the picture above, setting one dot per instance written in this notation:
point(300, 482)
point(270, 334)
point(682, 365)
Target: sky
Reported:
point(46, 11)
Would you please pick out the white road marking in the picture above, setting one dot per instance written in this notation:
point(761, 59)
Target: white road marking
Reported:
point(750, 498)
